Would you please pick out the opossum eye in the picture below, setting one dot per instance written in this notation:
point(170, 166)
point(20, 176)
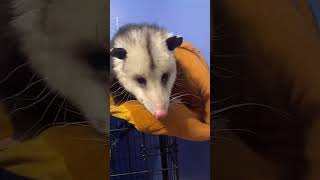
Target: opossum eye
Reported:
point(141, 80)
point(164, 78)
point(119, 53)
point(174, 42)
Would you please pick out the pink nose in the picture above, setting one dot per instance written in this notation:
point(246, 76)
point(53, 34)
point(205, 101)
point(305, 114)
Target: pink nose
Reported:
point(160, 114)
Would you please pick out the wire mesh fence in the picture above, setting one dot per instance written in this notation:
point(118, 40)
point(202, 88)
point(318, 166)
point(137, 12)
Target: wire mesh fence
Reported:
point(139, 156)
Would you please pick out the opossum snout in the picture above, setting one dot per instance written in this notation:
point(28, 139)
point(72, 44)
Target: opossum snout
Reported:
point(159, 114)
point(160, 111)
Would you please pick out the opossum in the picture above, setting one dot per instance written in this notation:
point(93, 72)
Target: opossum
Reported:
point(65, 45)
point(143, 65)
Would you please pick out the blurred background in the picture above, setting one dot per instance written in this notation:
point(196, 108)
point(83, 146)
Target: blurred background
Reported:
point(191, 19)
point(316, 8)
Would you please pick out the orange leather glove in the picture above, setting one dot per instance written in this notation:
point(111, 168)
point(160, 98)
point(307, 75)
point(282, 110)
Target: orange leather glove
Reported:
point(190, 120)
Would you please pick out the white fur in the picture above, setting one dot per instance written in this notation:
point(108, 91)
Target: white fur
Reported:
point(48, 46)
point(138, 63)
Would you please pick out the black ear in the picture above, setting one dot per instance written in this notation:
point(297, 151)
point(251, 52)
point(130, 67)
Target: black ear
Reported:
point(174, 42)
point(119, 53)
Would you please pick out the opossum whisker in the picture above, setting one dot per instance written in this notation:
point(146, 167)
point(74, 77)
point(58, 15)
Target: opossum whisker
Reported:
point(117, 91)
point(26, 107)
point(221, 100)
point(131, 96)
point(31, 78)
point(120, 87)
point(37, 97)
point(61, 107)
point(116, 82)
point(176, 101)
point(250, 104)
point(12, 72)
point(69, 110)
point(128, 97)
point(22, 91)
point(117, 95)
point(182, 103)
point(174, 94)
point(183, 95)
point(122, 100)
point(177, 97)
point(65, 112)
point(43, 115)
point(75, 111)
point(62, 124)
point(190, 95)
point(176, 105)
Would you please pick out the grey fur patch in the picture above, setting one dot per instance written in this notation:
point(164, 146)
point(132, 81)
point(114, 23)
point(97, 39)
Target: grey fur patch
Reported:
point(149, 47)
point(147, 29)
point(124, 31)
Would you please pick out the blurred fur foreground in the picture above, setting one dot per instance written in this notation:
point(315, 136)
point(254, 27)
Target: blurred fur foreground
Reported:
point(266, 69)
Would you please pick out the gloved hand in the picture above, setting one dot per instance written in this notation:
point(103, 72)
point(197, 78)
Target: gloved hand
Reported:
point(189, 119)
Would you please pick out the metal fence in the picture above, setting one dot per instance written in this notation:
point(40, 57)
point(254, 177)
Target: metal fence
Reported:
point(139, 156)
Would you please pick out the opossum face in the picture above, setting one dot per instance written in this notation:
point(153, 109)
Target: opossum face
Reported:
point(65, 43)
point(147, 69)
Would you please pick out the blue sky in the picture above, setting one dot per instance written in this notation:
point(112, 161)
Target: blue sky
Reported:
point(191, 19)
